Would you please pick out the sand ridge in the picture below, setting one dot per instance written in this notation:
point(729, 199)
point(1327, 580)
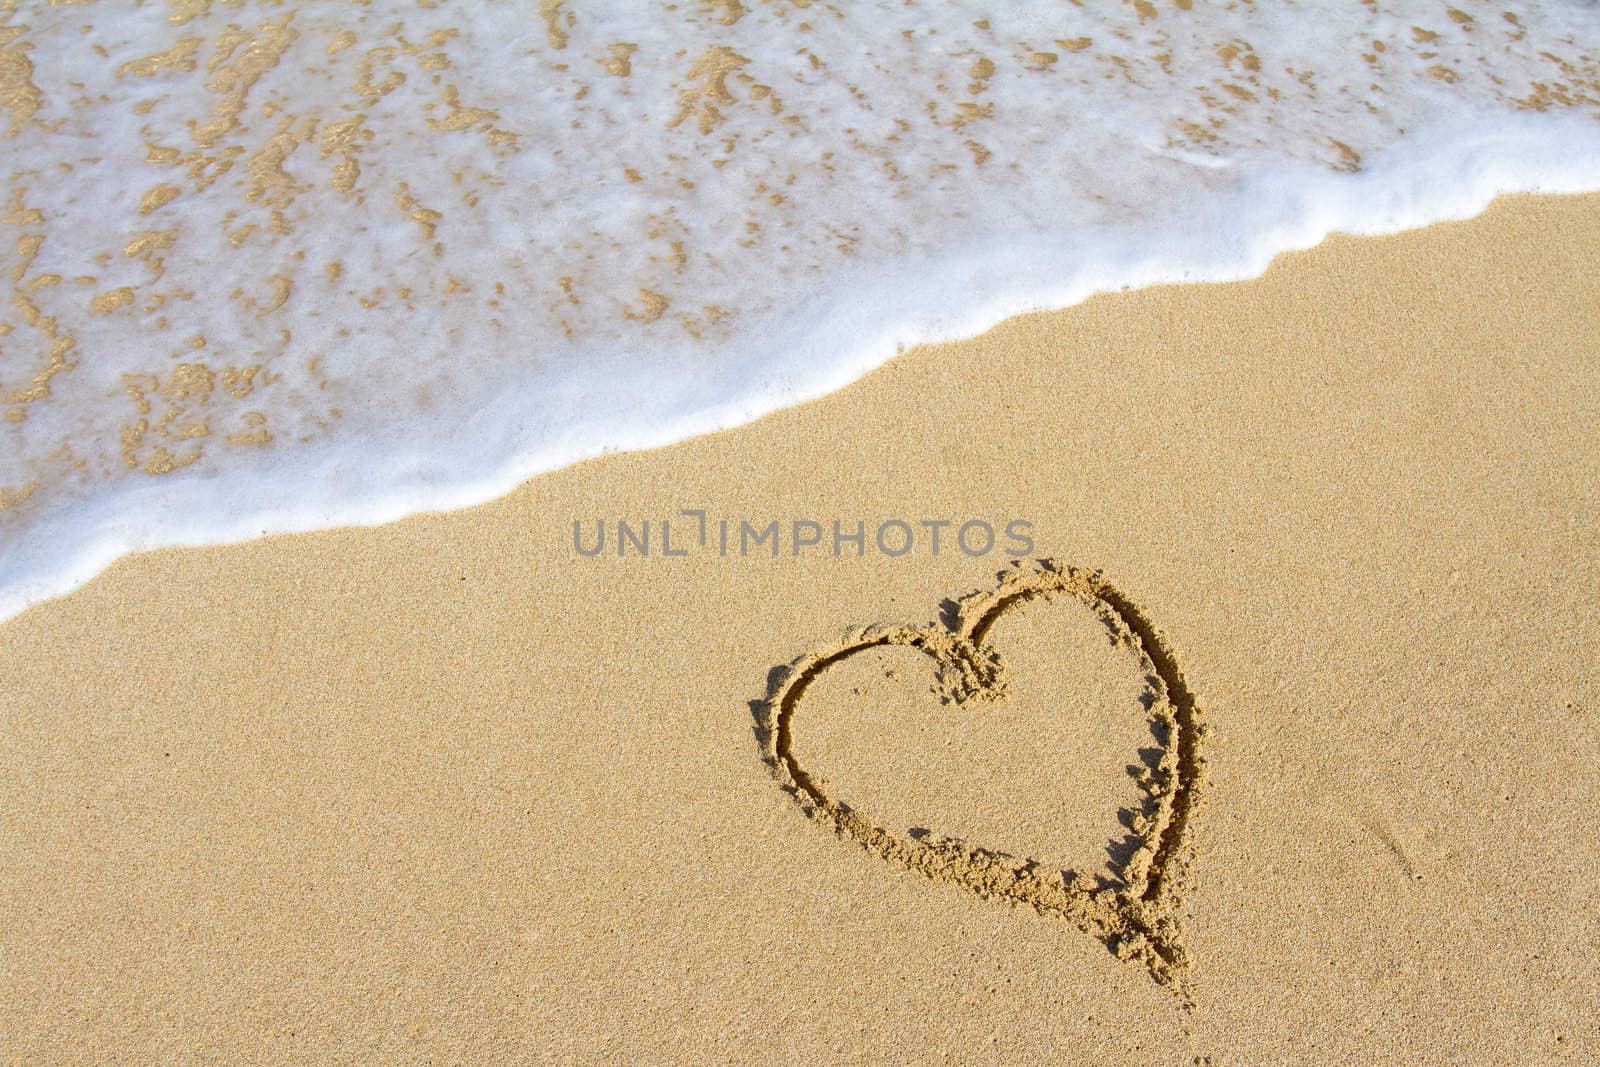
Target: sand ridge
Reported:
point(1140, 920)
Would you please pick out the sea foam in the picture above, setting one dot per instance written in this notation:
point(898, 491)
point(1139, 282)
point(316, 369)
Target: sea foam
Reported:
point(282, 267)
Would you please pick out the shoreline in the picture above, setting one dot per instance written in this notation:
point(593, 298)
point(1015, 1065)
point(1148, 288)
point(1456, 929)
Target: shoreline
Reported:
point(1379, 202)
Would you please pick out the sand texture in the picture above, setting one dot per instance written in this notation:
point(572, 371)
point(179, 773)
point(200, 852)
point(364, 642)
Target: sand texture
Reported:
point(1288, 756)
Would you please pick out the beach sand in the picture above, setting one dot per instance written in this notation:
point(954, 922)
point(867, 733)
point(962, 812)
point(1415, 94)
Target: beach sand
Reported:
point(447, 790)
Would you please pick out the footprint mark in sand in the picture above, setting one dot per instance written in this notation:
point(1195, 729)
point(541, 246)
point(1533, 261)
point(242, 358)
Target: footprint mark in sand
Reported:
point(1138, 920)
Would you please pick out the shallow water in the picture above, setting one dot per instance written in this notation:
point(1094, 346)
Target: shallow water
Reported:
point(287, 266)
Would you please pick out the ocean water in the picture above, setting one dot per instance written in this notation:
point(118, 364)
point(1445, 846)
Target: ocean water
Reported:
point(280, 266)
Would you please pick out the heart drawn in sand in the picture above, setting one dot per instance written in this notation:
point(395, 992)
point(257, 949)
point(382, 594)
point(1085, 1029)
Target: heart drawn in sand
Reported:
point(1138, 919)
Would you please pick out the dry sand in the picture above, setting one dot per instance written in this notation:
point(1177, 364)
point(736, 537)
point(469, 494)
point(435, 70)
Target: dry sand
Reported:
point(446, 790)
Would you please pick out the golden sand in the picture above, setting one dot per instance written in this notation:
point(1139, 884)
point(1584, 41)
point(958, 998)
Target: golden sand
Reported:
point(448, 790)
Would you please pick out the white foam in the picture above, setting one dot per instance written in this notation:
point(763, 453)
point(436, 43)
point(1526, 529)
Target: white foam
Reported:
point(930, 173)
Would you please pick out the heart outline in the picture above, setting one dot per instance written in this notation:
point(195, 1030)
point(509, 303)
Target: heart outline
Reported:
point(1138, 921)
